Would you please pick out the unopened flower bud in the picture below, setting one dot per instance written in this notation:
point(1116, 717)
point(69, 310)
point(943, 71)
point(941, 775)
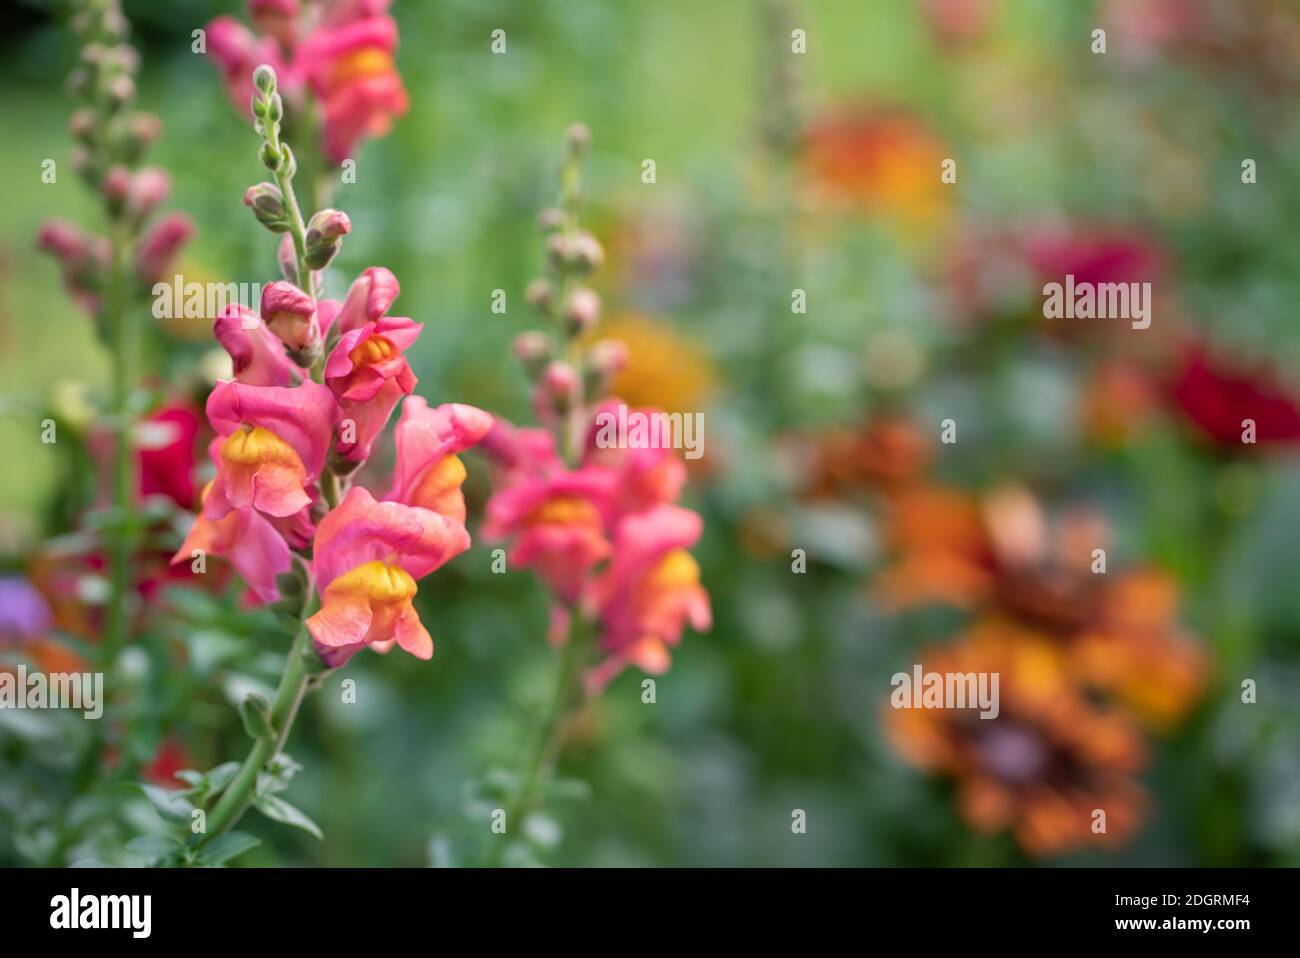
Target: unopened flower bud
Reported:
point(585, 252)
point(550, 219)
point(534, 349)
point(604, 360)
point(608, 355)
point(270, 157)
point(267, 203)
point(325, 229)
point(582, 310)
point(120, 89)
point(560, 381)
point(144, 127)
point(540, 294)
point(578, 138)
point(82, 124)
point(557, 248)
point(154, 257)
point(115, 186)
point(287, 257)
point(264, 79)
point(149, 187)
point(289, 313)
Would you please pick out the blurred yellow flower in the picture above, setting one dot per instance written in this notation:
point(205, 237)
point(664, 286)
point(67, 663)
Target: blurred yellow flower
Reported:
point(665, 369)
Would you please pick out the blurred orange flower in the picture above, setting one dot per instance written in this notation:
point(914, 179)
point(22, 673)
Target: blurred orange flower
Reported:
point(882, 162)
point(1048, 761)
point(665, 369)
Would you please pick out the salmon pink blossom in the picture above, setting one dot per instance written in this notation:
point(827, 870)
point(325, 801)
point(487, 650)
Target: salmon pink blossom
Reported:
point(274, 444)
point(368, 556)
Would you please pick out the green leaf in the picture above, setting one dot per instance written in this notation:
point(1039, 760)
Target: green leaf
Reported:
point(172, 806)
point(221, 776)
point(277, 809)
point(225, 847)
point(257, 717)
point(155, 846)
point(191, 777)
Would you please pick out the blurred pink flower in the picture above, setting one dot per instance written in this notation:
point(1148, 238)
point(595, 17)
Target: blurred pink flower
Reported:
point(650, 592)
point(342, 54)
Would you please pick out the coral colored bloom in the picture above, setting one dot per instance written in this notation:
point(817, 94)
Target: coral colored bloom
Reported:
point(650, 591)
point(558, 523)
point(256, 355)
point(274, 445)
point(881, 161)
point(352, 71)
point(367, 370)
point(429, 473)
point(247, 540)
point(368, 556)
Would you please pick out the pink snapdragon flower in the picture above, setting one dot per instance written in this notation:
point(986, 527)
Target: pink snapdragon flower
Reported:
point(558, 523)
point(368, 556)
point(429, 473)
point(366, 370)
point(274, 443)
point(256, 354)
point(343, 57)
point(650, 592)
point(247, 540)
point(352, 72)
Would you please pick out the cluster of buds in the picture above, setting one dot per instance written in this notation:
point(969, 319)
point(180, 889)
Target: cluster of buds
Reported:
point(289, 307)
point(111, 138)
point(566, 373)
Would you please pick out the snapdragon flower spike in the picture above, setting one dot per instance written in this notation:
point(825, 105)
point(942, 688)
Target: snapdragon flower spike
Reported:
point(428, 472)
point(649, 593)
point(256, 354)
point(366, 369)
point(274, 443)
point(367, 558)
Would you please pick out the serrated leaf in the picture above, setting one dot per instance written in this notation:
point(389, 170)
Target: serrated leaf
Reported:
point(277, 809)
point(225, 847)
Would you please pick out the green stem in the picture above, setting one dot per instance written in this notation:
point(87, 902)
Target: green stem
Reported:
point(242, 790)
point(119, 321)
point(297, 227)
point(546, 748)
